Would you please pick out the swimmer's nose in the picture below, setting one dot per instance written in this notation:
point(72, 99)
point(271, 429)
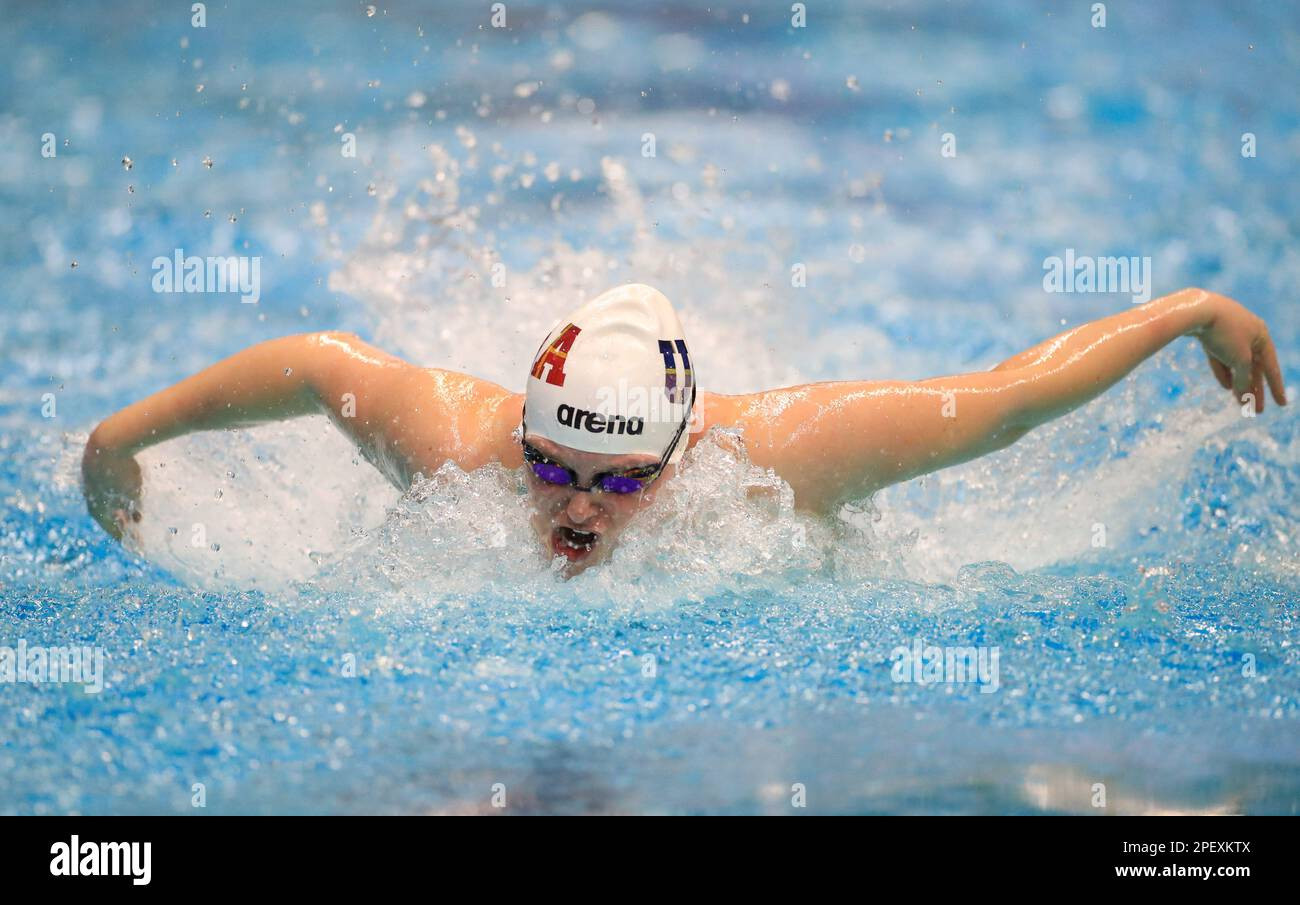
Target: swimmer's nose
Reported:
point(580, 508)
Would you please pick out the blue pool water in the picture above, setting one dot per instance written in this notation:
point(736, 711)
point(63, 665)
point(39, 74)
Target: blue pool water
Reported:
point(330, 647)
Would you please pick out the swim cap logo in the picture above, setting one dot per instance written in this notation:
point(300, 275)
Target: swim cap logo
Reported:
point(671, 372)
point(596, 423)
point(549, 365)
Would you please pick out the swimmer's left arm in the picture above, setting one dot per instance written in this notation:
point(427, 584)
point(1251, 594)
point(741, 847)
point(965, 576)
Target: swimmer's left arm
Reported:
point(840, 441)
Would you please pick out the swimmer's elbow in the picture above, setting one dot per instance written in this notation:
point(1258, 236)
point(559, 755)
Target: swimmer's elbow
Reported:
point(347, 350)
point(332, 352)
point(1008, 436)
point(327, 340)
point(1017, 416)
point(339, 367)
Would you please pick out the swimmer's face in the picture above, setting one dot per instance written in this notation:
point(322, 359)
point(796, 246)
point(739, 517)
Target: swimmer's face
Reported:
point(583, 526)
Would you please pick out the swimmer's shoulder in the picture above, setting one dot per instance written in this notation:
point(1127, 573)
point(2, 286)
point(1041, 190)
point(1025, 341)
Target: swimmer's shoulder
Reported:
point(765, 419)
point(757, 415)
point(713, 410)
point(484, 416)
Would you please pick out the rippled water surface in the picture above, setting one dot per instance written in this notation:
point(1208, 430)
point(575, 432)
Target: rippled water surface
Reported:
point(327, 646)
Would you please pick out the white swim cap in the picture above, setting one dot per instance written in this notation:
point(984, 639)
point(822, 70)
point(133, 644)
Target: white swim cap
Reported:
point(614, 377)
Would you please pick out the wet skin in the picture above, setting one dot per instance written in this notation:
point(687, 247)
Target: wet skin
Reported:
point(831, 442)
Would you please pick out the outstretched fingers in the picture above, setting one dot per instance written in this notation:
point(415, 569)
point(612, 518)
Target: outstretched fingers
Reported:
point(1267, 359)
point(1242, 377)
point(1221, 372)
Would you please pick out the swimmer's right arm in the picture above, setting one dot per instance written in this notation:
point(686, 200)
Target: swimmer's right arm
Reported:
point(269, 381)
point(402, 417)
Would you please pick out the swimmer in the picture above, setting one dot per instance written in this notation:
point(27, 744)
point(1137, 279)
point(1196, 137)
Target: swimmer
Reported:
point(611, 406)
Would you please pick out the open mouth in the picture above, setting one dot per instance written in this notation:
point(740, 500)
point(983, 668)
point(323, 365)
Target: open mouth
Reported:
point(573, 544)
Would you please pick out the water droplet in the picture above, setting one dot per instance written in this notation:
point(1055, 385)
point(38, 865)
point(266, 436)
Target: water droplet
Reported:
point(217, 495)
point(74, 265)
point(127, 163)
point(174, 162)
point(370, 189)
point(198, 89)
point(130, 190)
point(230, 474)
point(370, 12)
point(216, 548)
point(207, 162)
point(233, 218)
point(207, 213)
point(288, 372)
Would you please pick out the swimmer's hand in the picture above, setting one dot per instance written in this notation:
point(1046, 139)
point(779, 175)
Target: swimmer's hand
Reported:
point(1240, 351)
point(111, 482)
